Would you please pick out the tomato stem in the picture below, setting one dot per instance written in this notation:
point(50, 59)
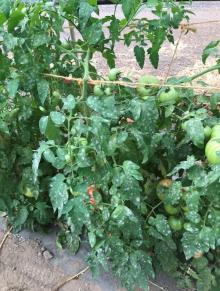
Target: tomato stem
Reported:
point(213, 68)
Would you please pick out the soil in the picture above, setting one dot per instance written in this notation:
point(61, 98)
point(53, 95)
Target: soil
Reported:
point(30, 262)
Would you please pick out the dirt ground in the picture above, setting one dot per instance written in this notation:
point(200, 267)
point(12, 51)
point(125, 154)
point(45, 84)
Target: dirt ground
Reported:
point(30, 262)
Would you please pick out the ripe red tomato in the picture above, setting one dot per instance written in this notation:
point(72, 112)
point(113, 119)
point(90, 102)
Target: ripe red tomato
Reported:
point(67, 81)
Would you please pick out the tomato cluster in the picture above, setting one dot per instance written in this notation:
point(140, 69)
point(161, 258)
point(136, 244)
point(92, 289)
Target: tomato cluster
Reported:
point(101, 90)
point(175, 222)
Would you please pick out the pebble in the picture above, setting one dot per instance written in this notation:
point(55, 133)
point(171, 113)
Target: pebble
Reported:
point(47, 255)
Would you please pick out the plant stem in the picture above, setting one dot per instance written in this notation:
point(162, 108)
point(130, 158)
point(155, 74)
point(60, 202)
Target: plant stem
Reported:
point(213, 68)
point(86, 75)
point(152, 210)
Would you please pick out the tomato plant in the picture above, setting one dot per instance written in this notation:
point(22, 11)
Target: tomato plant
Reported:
point(100, 159)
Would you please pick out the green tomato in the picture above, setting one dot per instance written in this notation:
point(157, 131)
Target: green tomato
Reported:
point(145, 97)
point(143, 209)
point(68, 158)
point(98, 91)
point(212, 151)
point(42, 109)
point(207, 132)
point(108, 91)
point(56, 94)
point(28, 193)
point(161, 188)
point(210, 256)
point(187, 226)
point(175, 223)
point(215, 131)
point(114, 74)
point(83, 141)
point(170, 209)
point(183, 126)
point(185, 208)
point(66, 45)
point(169, 96)
point(142, 88)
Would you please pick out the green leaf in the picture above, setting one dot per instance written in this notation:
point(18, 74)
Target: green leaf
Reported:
point(169, 110)
point(214, 100)
point(210, 50)
point(206, 280)
point(57, 117)
point(48, 128)
point(130, 7)
point(198, 241)
point(20, 218)
point(116, 141)
point(161, 224)
point(92, 239)
point(82, 158)
point(174, 193)
point(114, 29)
point(37, 157)
point(58, 193)
point(3, 206)
point(135, 108)
point(149, 117)
point(40, 39)
point(69, 103)
point(130, 190)
point(121, 214)
point(5, 6)
point(43, 124)
point(139, 53)
point(93, 2)
point(93, 33)
point(49, 156)
point(85, 11)
point(167, 257)
point(195, 131)
point(192, 203)
point(43, 213)
point(156, 41)
point(15, 18)
point(109, 55)
point(4, 68)
point(107, 107)
point(2, 18)
point(12, 87)
point(152, 3)
point(185, 165)
point(132, 170)
point(79, 215)
point(43, 90)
